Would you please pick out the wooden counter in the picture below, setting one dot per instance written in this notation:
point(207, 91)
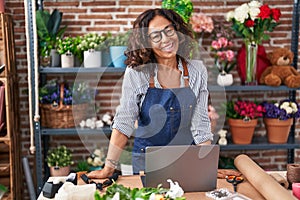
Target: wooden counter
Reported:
point(244, 188)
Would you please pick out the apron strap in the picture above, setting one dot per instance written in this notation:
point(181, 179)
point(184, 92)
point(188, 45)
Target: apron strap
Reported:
point(185, 76)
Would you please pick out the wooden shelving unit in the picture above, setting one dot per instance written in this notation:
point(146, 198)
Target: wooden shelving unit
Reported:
point(10, 161)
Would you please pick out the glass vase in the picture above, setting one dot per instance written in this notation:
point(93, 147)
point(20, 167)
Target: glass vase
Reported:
point(251, 58)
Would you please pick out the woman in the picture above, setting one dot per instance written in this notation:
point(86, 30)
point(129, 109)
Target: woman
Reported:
point(161, 89)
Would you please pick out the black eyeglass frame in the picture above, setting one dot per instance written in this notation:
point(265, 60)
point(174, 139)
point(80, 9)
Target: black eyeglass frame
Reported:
point(164, 31)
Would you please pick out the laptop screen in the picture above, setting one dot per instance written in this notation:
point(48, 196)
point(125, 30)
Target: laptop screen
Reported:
point(193, 167)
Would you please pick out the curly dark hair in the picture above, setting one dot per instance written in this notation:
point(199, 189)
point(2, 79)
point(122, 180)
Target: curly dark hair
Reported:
point(139, 50)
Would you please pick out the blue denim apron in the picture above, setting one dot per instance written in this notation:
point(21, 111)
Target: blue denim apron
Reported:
point(165, 119)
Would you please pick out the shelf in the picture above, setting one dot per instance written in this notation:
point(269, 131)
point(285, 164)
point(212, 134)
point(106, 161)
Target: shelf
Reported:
point(216, 88)
point(59, 70)
point(4, 169)
point(260, 143)
point(76, 131)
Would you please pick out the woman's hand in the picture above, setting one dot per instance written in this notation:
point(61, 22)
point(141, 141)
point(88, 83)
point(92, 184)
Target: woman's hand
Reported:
point(100, 174)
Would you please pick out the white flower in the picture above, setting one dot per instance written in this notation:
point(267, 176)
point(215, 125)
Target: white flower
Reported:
point(175, 190)
point(276, 104)
point(229, 15)
point(289, 110)
point(294, 107)
point(97, 161)
point(82, 124)
point(253, 12)
point(99, 124)
point(241, 13)
point(88, 122)
point(254, 4)
point(116, 196)
point(106, 117)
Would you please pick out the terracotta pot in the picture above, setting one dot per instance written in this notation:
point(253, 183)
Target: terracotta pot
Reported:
point(278, 130)
point(60, 171)
point(242, 131)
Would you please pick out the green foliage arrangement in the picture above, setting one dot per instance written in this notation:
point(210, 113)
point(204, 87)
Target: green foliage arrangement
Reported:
point(66, 45)
point(48, 30)
point(127, 193)
point(183, 7)
point(91, 41)
point(120, 39)
point(59, 157)
point(82, 166)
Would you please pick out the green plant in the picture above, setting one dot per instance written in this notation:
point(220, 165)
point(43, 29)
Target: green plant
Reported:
point(59, 157)
point(183, 7)
point(66, 45)
point(120, 39)
point(48, 29)
point(126, 193)
point(3, 190)
point(82, 166)
point(91, 41)
point(78, 93)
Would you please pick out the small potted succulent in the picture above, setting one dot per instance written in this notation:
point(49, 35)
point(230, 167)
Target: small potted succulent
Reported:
point(59, 160)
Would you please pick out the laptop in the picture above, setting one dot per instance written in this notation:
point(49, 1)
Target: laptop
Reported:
point(195, 168)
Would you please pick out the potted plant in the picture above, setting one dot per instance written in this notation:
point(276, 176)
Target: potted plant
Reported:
point(66, 48)
point(49, 31)
point(221, 48)
point(242, 119)
point(117, 46)
point(104, 47)
point(278, 118)
point(66, 112)
point(59, 160)
point(90, 46)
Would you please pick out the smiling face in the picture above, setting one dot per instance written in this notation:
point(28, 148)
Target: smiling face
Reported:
point(167, 47)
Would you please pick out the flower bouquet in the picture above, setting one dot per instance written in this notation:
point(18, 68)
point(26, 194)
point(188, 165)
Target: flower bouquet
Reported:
point(242, 119)
point(251, 21)
point(63, 106)
point(278, 118)
point(201, 23)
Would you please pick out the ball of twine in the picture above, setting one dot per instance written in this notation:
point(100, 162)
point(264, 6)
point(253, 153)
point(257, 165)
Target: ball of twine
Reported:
point(293, 173)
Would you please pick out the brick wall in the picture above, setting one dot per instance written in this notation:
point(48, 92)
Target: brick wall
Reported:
point(117, 16)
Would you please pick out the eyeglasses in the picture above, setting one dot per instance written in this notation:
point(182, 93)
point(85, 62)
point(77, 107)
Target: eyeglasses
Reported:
point(156, 36)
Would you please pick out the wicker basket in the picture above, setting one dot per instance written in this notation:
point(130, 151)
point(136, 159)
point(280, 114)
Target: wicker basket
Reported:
point(62, 116)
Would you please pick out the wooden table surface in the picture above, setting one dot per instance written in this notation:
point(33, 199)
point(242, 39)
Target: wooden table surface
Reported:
point(134, 181)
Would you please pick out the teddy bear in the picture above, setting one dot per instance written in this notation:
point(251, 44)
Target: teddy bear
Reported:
point(280, 72)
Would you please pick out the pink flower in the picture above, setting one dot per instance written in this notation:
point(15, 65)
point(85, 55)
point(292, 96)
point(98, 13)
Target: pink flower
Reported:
point(223, 41)
point(215, 45)
point(201, 23)
point(229, 55)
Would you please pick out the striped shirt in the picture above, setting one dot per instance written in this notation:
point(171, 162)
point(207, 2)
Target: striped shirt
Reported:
point(135, 86)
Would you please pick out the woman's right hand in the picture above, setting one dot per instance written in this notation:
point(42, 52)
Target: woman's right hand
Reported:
point(101, 174)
